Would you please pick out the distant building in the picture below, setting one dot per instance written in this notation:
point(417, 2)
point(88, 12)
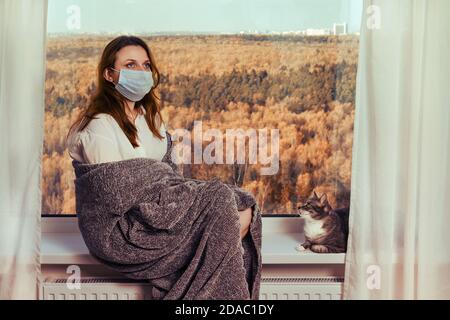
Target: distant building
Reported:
point(317, 32)
point(340, 29)
point(295, 33)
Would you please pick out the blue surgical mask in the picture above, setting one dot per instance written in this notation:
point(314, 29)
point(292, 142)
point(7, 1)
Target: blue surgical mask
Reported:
point(134, 84)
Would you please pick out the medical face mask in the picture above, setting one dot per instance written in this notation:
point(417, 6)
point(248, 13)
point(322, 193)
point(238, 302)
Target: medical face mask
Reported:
point(133, 84)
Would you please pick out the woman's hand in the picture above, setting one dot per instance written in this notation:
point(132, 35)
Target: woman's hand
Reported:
point(245, 218)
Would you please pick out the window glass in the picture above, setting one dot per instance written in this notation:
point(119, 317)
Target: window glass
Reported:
point(283, 71)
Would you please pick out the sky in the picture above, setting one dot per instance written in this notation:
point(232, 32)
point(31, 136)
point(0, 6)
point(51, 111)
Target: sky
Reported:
point(214, 16)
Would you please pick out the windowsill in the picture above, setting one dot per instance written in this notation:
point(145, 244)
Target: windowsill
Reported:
point(62, 243)
point(279, 248)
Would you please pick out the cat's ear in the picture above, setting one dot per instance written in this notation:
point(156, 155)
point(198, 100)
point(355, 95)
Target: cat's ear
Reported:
point(324, 199)
point(314, 195)
point(324, 203)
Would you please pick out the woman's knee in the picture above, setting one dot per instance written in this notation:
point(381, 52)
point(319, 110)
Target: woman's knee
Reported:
point(245, 218)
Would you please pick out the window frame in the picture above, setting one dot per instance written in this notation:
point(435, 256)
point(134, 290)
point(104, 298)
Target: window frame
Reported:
point(265, 215)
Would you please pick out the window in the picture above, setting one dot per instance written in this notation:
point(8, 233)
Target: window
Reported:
point(270, 64)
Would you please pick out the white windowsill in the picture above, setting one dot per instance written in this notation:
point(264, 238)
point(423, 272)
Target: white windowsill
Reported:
point(62, 243)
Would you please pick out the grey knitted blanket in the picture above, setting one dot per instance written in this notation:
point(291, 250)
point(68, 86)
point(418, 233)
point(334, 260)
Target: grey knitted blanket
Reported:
point(142, 218)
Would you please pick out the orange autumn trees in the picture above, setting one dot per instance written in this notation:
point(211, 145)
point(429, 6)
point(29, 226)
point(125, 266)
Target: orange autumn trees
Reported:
point(303, 86)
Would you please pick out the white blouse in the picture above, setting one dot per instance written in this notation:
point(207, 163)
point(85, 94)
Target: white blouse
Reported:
point(104, 141)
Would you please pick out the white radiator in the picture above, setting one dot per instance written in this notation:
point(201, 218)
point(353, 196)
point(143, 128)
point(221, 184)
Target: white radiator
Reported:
point(324, 288)
point(96, 289)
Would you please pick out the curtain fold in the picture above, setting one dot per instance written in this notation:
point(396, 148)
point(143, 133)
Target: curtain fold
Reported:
point(22, 77)
point(400, 194)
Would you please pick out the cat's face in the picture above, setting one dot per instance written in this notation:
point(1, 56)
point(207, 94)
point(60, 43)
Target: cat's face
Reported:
point(315, 208)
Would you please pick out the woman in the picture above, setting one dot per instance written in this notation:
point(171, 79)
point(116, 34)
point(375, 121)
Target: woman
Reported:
point(123, 120)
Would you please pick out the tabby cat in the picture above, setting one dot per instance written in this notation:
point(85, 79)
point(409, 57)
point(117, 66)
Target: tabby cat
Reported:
point(326, 230)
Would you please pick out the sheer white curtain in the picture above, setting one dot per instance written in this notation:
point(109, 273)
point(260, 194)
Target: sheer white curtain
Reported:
point(22, 75)
point(399, 247)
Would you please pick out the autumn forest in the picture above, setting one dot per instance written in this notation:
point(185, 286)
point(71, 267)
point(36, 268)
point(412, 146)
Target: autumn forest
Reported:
point(302, 85)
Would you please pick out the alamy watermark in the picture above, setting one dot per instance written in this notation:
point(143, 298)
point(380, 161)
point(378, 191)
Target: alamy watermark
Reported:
point(73, 21)
point(229, 147)
point(373, 281)
point(73, 281)
point(373, 17)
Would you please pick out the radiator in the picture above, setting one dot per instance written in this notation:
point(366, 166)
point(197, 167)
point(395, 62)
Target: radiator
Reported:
point(317, 288)
point(323, 288)
point(96, 289)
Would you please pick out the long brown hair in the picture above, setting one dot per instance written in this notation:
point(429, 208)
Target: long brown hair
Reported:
point(107, 100)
